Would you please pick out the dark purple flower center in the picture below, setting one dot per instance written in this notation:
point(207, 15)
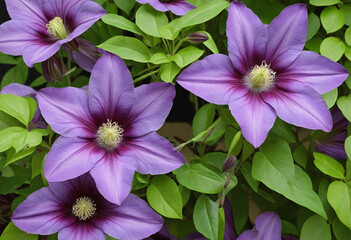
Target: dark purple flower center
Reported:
point(57, 28)
point(261, 78)
point(109, 135)
point(84, 208)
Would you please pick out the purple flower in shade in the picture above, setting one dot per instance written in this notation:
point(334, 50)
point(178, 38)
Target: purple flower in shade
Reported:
point(25, 91)
point(111, 131)
point(267, 74)
point(53, 69)
point(77, 210)
point(178, 7)
point(39, 27)
point(332, 143)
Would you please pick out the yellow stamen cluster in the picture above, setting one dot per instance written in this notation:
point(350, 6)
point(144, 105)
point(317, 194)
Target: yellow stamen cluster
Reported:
point(84, 208)
point(109, 135)
point(56, 28)
point(260, 78)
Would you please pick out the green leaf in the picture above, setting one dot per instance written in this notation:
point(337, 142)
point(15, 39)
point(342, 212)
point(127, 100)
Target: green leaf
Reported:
point(36, 164)
point(159, 58)
point(16, 74)
point(13, 156)
point(185, 193)
point(214, 158)
point(332, 19)
point(346, 8)
point(339, 197)
point(127, 48)
point(187, 55)
point(239, 201)
point(348, 36)
point(16, 107)
point(7, 59)
point(163, 195)
point(210, 43)
point(341, 232)
point(328, 165)
point(278, 178)
point(203, 178)
point(331, 97)
point(13, 232)
point(8, 135)
point(168, 71)
point(333, 48)
point(301, 156)
point(38, 82)
point(344, 104)
point(348, 146)
point(125, 5)
point(313, 25)
point(121, 22)
point(246, 170)
point(284, 130)
point(348, 52)
point(315, 227)
point(324, 2)
point(150, 20)
point(207, 218)
point(203, 118)
point(8, 121)
point(9, 184)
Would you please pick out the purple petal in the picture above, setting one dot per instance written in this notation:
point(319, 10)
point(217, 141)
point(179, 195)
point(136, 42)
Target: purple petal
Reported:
point(113, 176)
point(111, 89)
point(213, 79)
point(247, 37)
point(299, 105)
point(84, 15)
point(86, 55)
point(27, 11)
point(16, 36)
point(229, 230)
point(178, 7)
point(42, 213)
point(249, 235)
point(39, 52)
point(151, 108)
point(268, 226)
point(19, 90)
point(133, 219)
point(286, 36)
point(254, 116)
point(316, 71)
point(155, 154)
point(70, 158)
point(81, 230)
point(67, 111)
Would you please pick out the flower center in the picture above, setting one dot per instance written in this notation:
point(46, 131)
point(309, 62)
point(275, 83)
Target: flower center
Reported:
point(109, 135)
point(260, 78)
point(56, 28)
point(84, 208)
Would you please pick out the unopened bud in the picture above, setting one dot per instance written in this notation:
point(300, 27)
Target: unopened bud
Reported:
point(53, 69)
point(229, 163)
point(197, 38)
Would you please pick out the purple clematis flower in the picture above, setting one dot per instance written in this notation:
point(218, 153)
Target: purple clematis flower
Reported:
point(111, 131)
point(267, 74)
point(25, 91)
point(178, 7)
point(39, 27)
point(332, 143)
point(77, 210)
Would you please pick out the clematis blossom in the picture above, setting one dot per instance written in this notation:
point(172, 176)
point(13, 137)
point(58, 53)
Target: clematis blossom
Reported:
point(333, 143)
point(109, 133)
point(77, 211)
point(39, 27)
point(25, 91)
point(267, 74)
point(178, 7)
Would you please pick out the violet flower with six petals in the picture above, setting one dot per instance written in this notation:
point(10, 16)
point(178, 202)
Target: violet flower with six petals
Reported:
point(267, 74)
point(111, 131)
point(178, 7)
point(39, 27)
point(77, 210)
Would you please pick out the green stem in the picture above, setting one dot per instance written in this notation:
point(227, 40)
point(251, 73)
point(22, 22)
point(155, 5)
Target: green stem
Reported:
point(145, 76)
point(145, 70)
point(179, 44)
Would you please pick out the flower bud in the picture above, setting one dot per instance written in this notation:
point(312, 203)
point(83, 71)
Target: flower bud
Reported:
point(197, 38)
point(229, 163)
point(53, 69)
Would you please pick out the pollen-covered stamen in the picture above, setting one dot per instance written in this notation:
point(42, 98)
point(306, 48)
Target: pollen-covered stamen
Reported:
point(84, 208)
point(57, 28)
point(261, 77)
point(109, 135)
